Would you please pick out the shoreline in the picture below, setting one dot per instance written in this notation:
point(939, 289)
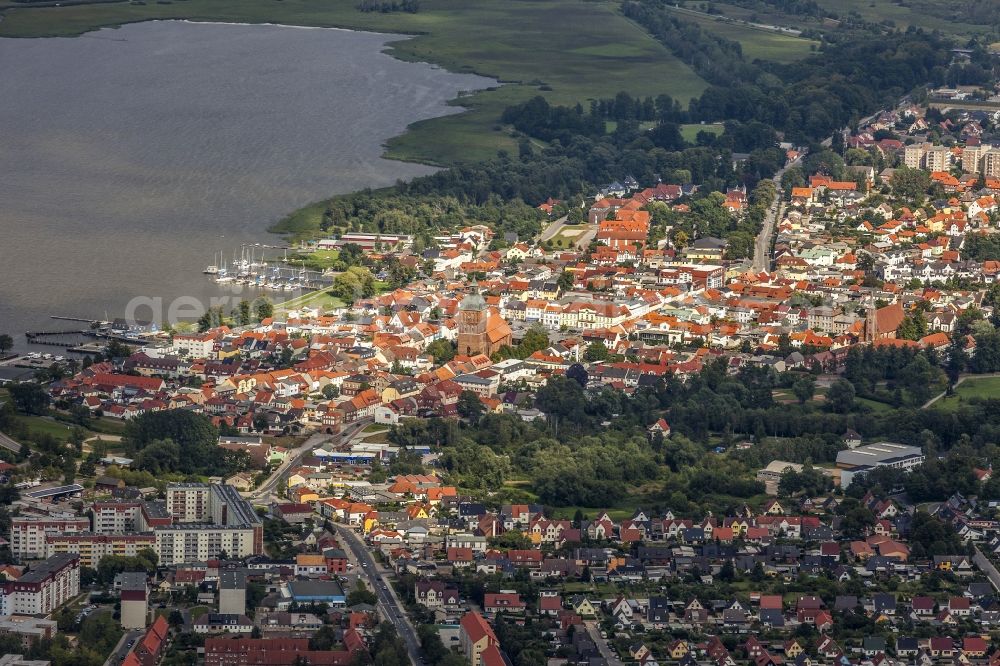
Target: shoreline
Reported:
point(445, 105)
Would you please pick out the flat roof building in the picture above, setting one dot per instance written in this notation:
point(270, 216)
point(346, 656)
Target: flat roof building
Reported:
point(863, 459)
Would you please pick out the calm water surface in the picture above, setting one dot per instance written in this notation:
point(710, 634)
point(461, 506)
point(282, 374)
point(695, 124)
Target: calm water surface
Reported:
point(129, 157)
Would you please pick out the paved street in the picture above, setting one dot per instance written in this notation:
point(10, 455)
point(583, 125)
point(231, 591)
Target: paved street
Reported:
point(118, 654)
point(9, 444)
point(391, 607)
point(987, 567)
point(602, 643)
point(762, 248)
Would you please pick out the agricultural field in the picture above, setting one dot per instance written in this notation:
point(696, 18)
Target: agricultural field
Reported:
point(925, 14)
point(567, 50)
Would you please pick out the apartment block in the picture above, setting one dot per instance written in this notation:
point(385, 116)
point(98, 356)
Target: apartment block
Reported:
point(133, 590)
point(28, 533)
point(125, 516)
point(937, 158)
point(971, 158)
point(92, 547)
point(226, 523)
point(913, 156)
point(991, 163)
point(48, 585)
point(189, 502)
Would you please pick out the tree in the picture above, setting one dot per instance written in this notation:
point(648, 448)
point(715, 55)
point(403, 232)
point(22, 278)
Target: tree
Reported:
point(354, 283)
point(331, 391)
point(242, 312)
point(565, 280)
point(193, 434)
point(264, 309)
point(804, 389)
point(442, 350)
point(470, 406)
point(29, 398)
point(913, 327)
point(596, 351)
point(911, 184)
point(361, 595)
point(260, 422)
point(175, 619)
point(212, 318)
point(6, 343)
point(840, 396)
point(535, 339)
point(578, 373)
point(159, 457)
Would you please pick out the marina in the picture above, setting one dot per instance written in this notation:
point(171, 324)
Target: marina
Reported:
point(252, 268)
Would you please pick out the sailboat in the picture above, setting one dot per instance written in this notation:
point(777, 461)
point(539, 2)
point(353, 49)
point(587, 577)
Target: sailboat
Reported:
point(212, 269)
point(223, 274)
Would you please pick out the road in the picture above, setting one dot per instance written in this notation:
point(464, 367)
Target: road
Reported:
point(762, 247)
point(986, 567)
point(551, 230)
point(121, 650)
point(770, 27)
point(280, 475)
point(602, 644)
point(9, 444)
point(392, 608)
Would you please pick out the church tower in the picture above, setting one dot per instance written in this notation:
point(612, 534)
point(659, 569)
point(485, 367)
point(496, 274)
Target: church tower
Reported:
point(472, 320)
point(871, 321)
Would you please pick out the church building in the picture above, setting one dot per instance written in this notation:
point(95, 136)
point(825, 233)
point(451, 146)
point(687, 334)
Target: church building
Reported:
point(480, 329)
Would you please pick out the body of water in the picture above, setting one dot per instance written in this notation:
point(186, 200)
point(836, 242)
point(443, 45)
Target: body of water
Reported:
point(129, 157)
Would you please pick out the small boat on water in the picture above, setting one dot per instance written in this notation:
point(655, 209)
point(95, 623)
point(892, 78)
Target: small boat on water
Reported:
point(212, 269)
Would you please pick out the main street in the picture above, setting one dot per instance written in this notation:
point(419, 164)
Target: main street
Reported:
point(392, 608)
point(762, 247)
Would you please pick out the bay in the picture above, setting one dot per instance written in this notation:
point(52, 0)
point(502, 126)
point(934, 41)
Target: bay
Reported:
point(130, 156)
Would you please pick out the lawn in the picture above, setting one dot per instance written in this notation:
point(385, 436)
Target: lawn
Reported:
point(690, 131)
point(972, 387)
point(320, 299)
point(875, 404)
point(320, 260)
point(567, 50)
point(757, 43)
point(38, 425)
